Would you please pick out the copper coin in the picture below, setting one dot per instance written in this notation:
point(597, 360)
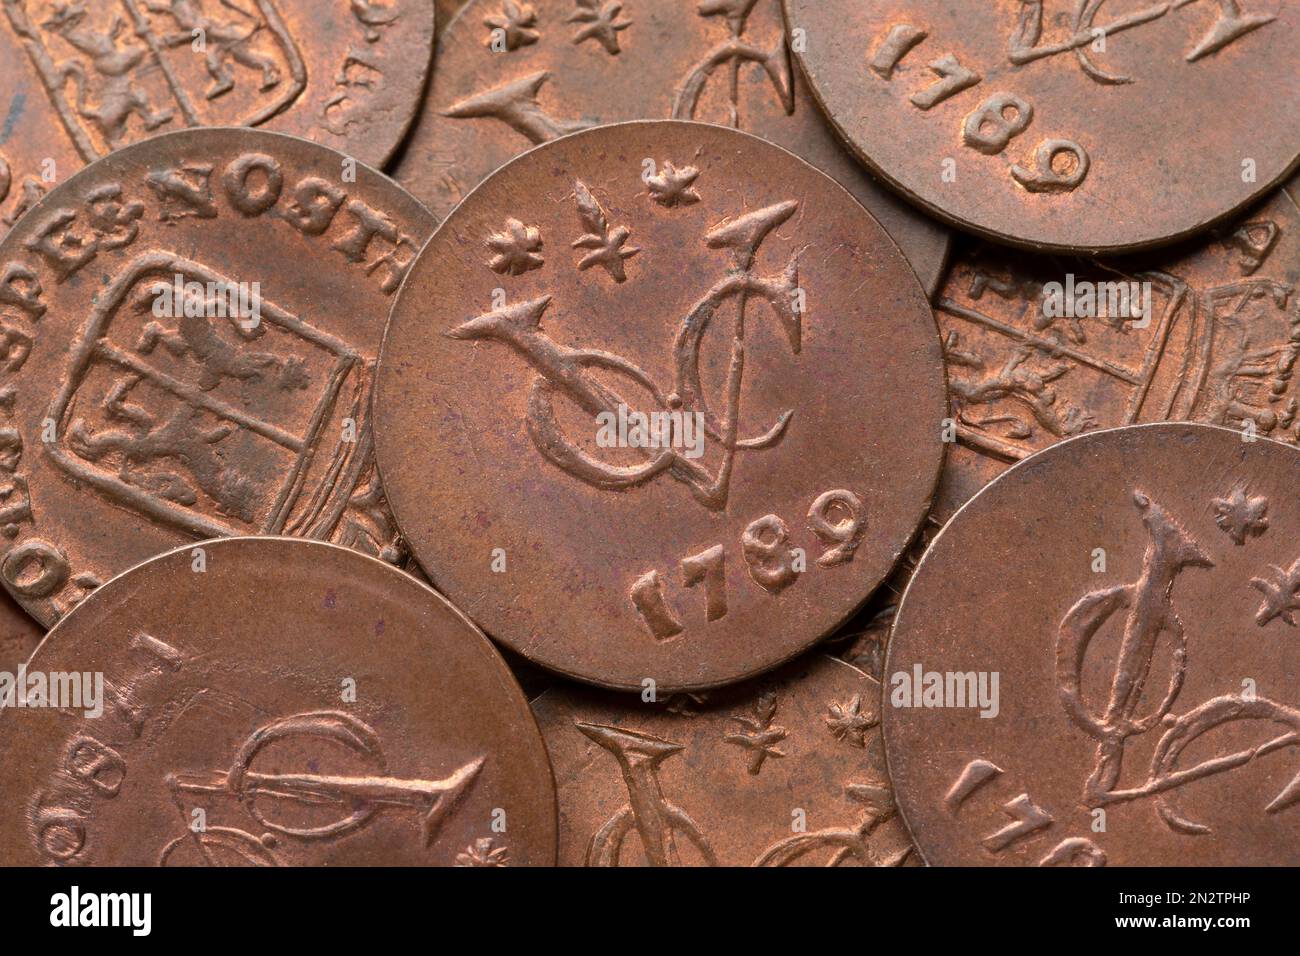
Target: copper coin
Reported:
point(1040, 349)
point(785, 770)
point(19, 634)
point(515, 73)
point(275, 702)
point(672, 428)
point(1095, 661)
point(83, 78)
point(189, 332)
point(446, 11)
point(1073, 125)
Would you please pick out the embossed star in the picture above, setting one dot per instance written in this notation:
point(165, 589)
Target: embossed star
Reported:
point(603, 23)
point(759, 737)
point(731, 9)
point(1281, 594)
point(672, 187)
point(516, 249)
point(483, 852)
point(606, 246)
point(516, 22)
point(848, 723)
point(1239, 516)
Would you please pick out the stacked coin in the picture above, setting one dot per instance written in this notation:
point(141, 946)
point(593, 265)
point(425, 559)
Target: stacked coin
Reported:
point(634, 478)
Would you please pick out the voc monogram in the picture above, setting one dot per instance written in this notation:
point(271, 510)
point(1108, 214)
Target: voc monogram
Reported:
point(568, 372)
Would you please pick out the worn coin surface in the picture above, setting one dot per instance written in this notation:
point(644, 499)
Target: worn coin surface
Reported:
point(189, 328)
point(1075, 125)
point(671, 428)
point(512, 74)
point(81, 79)
point(1042, 348)
point(19, 634)
point(271, 702)
point(1129, 598)
point(783, 770)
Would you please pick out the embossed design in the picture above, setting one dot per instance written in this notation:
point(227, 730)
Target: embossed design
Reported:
point(515, 104)
point(1281, 594)
point(1151, 617)
point(119, 77)
point(759, 735)
point(848, 723)
point(570, 370)
point(1240, 516)
point(603, 23)
point(360, 76)
point(359, 798)
point(514, 24)
point(607, 247)
point(145, 425)
point(735, 52)
point(372, 16)
point(673, 186)
point(483, 852)
point(845, 842)
point(517, 249)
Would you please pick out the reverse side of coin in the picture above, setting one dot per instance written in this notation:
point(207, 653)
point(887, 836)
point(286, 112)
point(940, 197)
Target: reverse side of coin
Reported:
point(512, 74)
point(658, 402)
point(1041, 349)
point(1129, 598)
point(273, 702)
point(781, 771)
point(1073, 126)
point(190, 327)
point(82, 79)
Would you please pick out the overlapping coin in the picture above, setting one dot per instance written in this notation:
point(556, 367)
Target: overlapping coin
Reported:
point(659, 402)
point(515, 73)
point(84, 77)
point(785, 770)
point(189, 329)
point(19, 634)
point(273, 702)
point(1073, 125)
point(1095, 661)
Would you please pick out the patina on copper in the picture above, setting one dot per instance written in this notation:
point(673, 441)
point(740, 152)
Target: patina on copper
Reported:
point(670, 269)
point(515, 73)
point(1069, 125)
point(319, 707)
point(19, 634)
point(141, 417)
point(1134, 593)
point(785, 770)
point(81, 79)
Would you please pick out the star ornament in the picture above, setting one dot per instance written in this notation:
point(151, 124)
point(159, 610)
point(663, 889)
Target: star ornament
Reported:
point(848, 723)
point(606, 245)
point(603, 23)
point(1281, 590)
point(672, 187)
point(1239, 516)
point(516, 22)
point(516, 249)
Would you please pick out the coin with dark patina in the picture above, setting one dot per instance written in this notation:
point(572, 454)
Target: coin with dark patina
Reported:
point(81, 79)
point(273, 702)
point(1073, 125)
point(658, 402)
point(512, 74)
point(189, 329)
point(1095, 661)
point(19, 634)
point(785, 770)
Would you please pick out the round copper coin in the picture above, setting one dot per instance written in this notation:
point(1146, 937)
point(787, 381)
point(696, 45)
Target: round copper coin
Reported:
point(1095, 661)
point(785, 770)
point(515, 73)
point(1074, 125)
point(273, 702)
point(83, 78)
point(189, 328)
point(659, 402)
